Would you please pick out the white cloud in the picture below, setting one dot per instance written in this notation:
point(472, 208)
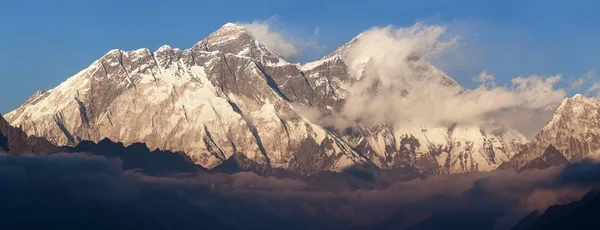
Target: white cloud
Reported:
point(577, 83)
point(283, 42)
point(387, 48)
point(582, 80)
point(273, 40)
point(396, 84)
point(485, 78)
point(594, 88)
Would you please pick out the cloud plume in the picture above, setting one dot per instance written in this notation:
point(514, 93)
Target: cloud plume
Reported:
point(583, 80)
point(594, 88)
point(395, 84)
point(283, 42)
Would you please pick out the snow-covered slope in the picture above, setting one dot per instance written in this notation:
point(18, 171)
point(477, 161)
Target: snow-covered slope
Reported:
point(209, 101)
point(574, 131)
point(230, 94)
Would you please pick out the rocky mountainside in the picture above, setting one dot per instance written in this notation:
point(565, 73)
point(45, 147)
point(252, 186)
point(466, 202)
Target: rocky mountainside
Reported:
point(229, 94)
point(16, 142)
point(551, 157)
point(136, 156)
point(580, 214)
point(574, 132)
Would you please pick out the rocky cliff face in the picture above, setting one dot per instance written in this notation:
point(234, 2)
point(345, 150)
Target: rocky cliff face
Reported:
point(580, 214)
point(436, 150)
point(574, 132)
point(230, 94)
point(137, 156)
point(16, 142)
point(550, 158)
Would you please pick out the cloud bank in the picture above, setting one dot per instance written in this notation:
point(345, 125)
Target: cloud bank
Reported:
point(88, 187)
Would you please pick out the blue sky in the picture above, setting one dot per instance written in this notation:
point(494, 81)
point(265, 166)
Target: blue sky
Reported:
point(43, 42)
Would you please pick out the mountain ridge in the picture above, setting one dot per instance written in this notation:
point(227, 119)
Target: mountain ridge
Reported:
point(216, 104)
point(15, 141)
point(574, 132)
point(229, 93)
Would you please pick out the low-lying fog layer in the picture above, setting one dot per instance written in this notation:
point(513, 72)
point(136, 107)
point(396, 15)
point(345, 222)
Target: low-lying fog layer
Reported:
point(67, 186)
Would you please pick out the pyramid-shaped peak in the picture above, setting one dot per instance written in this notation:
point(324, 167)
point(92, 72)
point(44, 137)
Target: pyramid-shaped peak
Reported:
point(235, 39)
point(232, 26)
point(229, 29)
point(577, 99)
point(227, 33)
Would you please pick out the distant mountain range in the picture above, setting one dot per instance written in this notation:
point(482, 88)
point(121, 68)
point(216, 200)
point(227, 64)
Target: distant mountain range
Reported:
point(230, 95)
point(230, 105)
point(576, 215)
point(15, 141)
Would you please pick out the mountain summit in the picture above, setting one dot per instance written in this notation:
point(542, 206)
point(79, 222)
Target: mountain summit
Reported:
point(237, 40)
point(229, 95)
point(574, 131)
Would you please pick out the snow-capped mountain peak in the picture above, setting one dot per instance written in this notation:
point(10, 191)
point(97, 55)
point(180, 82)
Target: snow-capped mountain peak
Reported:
point(235, 39)
point(228, 29)
point(577, 109)
point(574, 131)
point(230, 94)
point(220, 97)
point(231, 26)
point(227, 33)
